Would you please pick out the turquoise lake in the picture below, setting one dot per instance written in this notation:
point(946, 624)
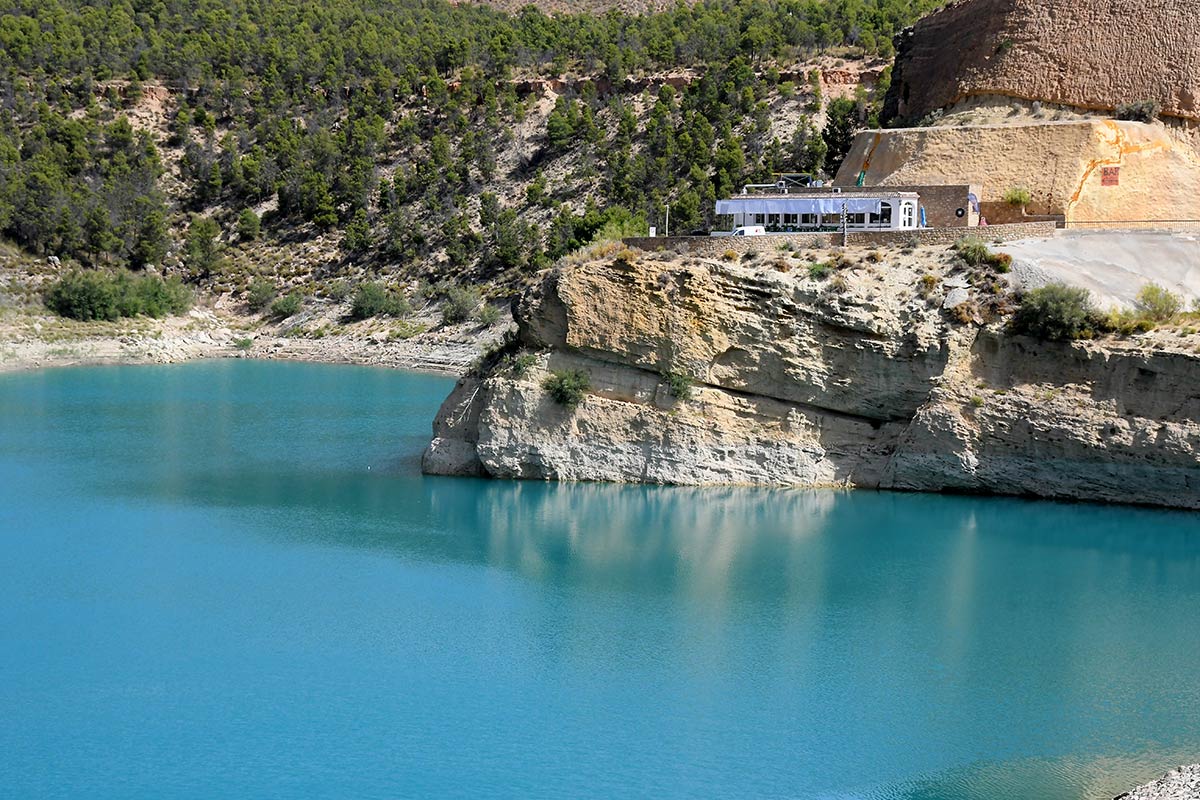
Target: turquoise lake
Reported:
point(229, 579)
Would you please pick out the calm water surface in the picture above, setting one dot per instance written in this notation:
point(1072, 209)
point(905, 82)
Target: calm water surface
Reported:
point(229, 579)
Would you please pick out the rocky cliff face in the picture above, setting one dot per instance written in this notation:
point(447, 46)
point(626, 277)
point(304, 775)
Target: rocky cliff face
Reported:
point(1094, 54)
point(863, 379)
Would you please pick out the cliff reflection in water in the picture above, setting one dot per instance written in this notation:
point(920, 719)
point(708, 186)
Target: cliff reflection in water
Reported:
point(703, 541)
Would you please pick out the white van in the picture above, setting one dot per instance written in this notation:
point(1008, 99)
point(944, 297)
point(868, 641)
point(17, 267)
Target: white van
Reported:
point(745, 230)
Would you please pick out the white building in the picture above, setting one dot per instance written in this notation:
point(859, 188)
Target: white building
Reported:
point(828, 210)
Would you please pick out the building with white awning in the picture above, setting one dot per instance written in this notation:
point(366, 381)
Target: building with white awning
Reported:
point(816, 210)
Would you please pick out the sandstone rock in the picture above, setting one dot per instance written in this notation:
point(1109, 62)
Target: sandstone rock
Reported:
point(1091, 55)
point(956, 297)
point(1061, 163)
point(794, 387)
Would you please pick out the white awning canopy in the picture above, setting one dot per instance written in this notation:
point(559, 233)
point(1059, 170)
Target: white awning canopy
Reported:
point(832, 204)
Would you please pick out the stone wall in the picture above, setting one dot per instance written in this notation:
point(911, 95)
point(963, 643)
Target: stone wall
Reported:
point(1089, 54)
point(718, 246)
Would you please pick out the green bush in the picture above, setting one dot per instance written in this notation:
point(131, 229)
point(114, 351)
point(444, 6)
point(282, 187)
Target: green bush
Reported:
point(249, 226)
point(679, 385)
point(337, 291)
point(1158, 304)
point(375, 300)
point(522, 364)
point(287, 305)
point(567, 388)
point(1000, 262)
point(152, 296)
point(259, 294)
point(1018, 197)
point(458, 303)
point(1123, 322)
point(820, 271)
point(489, 314)
point(1055, 312)
point(103, 296)
point(84, 296)
point(972, 250)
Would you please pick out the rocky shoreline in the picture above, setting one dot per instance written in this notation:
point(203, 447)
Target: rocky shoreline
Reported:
point(1182, 783)
point(43, 342)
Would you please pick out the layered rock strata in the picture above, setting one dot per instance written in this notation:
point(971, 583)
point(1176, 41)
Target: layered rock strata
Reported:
point(862, 380)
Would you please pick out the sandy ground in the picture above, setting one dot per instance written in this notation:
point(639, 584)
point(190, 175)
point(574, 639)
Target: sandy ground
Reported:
point(1113, 265)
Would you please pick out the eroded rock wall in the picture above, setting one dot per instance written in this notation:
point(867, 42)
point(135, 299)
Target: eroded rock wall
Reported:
point(1157, 168)
point(860, 382)
point(1090, 54)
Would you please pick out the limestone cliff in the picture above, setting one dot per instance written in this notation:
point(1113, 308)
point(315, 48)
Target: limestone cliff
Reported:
point(883, 376)
point(1091, 55)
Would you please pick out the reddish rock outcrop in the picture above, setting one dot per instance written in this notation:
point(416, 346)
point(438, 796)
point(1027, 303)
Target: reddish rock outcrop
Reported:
point(1090, 54)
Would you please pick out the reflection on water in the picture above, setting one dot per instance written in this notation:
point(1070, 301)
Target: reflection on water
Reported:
point(561, 640)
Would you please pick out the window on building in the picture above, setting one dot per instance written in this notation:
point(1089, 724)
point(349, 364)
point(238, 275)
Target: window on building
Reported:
point(908, 216)
point(808, 219)
point(760, 219)
point(791, 219)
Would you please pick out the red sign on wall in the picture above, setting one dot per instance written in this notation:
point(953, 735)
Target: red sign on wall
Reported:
point(1110, 176)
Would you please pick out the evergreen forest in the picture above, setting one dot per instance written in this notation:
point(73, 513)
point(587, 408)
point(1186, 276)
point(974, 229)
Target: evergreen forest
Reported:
point(415, 135)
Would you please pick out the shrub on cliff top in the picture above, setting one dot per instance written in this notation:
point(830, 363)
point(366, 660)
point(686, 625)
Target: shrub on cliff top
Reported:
point(1157, 303)
point(568, 387)
point(1055, 312)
